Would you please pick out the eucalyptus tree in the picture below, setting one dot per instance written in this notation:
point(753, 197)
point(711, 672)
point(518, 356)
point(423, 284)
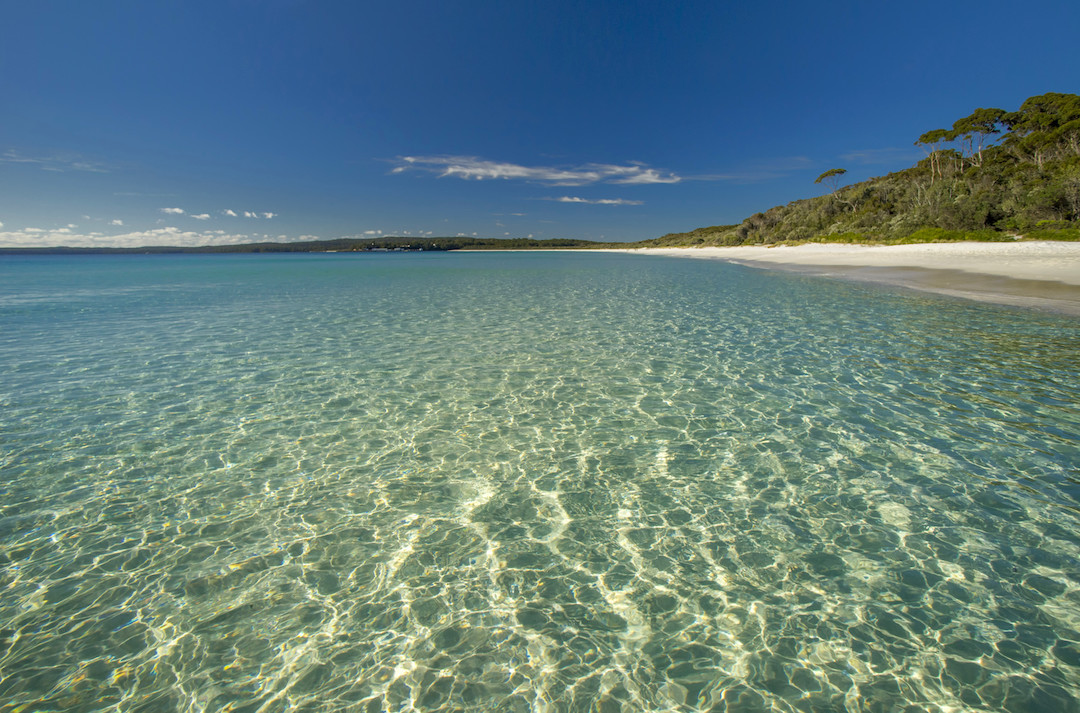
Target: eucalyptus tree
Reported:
point(934, 140)
point(1045, 127)
point(831, 178)
point(977, 131)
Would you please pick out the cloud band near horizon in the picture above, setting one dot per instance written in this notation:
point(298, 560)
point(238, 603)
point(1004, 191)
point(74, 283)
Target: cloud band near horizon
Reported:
point(165, 236)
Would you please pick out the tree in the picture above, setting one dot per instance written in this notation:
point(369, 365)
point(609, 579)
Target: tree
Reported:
point(934, 139)
point(831, 178)
point(978, 131)
point(1045, 127)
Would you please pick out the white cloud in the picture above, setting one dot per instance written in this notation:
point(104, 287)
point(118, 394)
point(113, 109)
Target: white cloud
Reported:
point(72, 225)
point(597, 201)
point(247, 214)
point(173, 211)
point(648, 175)
point(201, 216)
point(116, 221)
point(1, 225)
point(472, 168)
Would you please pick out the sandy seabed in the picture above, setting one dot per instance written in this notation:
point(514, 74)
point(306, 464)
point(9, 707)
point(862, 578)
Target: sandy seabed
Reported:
point(1036, 274)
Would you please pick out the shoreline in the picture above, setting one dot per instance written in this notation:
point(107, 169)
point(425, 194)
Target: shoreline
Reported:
point(1043, 275)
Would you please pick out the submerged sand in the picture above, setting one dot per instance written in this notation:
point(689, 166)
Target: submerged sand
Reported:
point(1039, 274)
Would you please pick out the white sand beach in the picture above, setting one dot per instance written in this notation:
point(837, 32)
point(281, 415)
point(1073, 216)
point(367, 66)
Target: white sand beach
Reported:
point(1039, 274)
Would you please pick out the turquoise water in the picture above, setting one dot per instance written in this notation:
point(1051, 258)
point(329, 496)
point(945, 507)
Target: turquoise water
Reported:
point(528, 482)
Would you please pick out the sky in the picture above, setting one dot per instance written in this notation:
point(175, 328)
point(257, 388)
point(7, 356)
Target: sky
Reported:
point(231, 121)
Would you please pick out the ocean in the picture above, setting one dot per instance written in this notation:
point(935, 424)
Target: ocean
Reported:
point(549, 481)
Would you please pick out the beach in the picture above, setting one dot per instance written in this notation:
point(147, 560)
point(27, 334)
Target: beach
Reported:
point(1034, 274)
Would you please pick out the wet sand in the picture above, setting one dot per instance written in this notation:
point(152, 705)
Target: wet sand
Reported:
point(1037, 274)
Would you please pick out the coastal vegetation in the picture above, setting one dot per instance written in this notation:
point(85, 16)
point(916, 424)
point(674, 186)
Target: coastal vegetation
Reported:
point(994, 175)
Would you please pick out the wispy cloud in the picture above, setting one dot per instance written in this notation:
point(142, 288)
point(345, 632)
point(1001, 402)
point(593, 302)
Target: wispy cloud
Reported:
point(230, 213)
point(871, 157)
point(759, 171)
point(173, 211)
point(117, 221)
point(595, 201)
point(59, 163)
point(473, 168)
point(201, 216)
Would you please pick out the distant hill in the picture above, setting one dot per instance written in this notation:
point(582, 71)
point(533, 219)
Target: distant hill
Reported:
point(994, 175)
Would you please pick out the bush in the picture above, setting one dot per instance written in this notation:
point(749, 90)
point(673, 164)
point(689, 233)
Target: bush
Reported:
point(941, 235)
point(1072, 234)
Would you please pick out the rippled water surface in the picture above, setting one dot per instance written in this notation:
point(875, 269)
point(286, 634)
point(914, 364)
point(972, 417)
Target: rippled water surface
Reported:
point(528, 482)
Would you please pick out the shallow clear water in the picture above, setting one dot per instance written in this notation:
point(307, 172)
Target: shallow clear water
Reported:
point(528, 482)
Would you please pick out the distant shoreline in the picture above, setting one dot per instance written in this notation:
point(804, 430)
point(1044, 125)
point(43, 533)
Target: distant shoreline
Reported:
point(1037, 274)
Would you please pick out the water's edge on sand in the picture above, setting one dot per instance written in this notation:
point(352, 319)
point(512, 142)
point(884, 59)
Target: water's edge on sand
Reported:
point(1036, 275)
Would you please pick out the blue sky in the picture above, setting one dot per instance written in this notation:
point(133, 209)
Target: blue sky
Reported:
point(128, 123)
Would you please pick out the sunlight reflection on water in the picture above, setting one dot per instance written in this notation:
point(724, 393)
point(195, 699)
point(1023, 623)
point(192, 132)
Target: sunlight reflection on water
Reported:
point(529, 482)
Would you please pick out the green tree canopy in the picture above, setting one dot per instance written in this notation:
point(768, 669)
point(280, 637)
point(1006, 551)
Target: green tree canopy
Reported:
point(831, 178)
point(934, 139)
point(978, 131)
point(1045, 127)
